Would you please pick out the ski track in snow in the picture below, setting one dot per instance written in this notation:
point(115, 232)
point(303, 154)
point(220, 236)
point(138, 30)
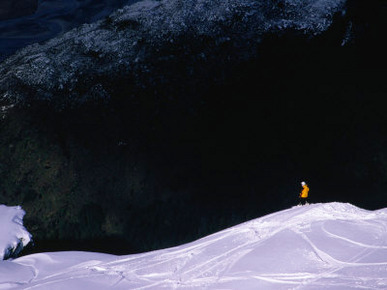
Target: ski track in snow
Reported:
point(331, 246)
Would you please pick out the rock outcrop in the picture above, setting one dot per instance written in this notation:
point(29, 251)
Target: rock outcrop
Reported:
point(14, 236)
point(171, 119)
point(152, 44)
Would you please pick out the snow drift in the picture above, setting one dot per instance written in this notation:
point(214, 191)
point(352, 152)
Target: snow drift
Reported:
point(13, 236)
point(330, 246)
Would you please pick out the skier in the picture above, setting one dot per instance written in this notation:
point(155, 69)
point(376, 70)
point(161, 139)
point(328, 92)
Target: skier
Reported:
point(304, 194)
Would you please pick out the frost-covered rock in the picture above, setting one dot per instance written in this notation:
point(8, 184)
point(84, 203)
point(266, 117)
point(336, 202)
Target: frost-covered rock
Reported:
point(13, 236)
point(134, 47)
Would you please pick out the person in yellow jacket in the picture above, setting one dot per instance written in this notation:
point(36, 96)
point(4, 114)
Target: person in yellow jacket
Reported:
point(304, 193)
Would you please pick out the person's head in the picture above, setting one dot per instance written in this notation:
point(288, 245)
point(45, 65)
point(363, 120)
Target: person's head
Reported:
point(303, 183)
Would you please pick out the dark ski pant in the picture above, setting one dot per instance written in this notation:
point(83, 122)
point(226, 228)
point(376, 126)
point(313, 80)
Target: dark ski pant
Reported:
point(303, 200)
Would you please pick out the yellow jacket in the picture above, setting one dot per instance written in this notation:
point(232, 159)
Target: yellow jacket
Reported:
point(304, 193)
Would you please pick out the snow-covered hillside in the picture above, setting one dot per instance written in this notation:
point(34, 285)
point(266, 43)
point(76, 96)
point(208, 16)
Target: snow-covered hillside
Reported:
point(320, 246)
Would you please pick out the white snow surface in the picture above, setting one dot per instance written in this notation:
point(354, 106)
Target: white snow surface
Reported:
point(13, 235)
point(319, 246)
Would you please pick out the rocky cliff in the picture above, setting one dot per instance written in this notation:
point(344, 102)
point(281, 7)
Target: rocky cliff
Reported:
point(135, 47)
point(171, 119)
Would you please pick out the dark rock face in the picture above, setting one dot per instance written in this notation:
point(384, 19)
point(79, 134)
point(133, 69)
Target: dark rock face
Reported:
point(171, 119)
point(17, 8)
point(139, 43)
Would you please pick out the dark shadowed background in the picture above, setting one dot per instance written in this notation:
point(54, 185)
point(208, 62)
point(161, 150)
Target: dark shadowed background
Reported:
point(180, 163)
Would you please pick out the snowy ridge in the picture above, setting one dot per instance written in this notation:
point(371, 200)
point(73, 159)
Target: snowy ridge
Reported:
point(13, 236)
point(330, 246)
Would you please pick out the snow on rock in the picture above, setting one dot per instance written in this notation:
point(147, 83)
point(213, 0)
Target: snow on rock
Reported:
point(13, 236)
point(130, 45)
point(320, 246)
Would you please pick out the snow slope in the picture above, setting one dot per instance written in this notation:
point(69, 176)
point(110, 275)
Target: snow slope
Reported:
point(13, 235)
point(320, 246)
